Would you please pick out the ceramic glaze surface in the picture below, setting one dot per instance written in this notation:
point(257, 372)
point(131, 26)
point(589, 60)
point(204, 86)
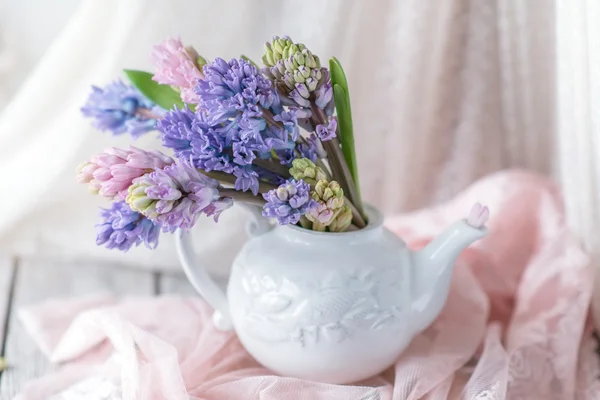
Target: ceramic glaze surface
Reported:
point(311, 305)
point(333, 307)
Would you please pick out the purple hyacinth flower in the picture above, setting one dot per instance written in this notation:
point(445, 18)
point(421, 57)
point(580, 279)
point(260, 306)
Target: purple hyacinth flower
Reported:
point(251, 132)
point(246, 179)
point(209, 150)
point(324, 95)
point(120, 108)
point(286, 156)
point(277, 139)
point(327, 132)
point(288, 202)
point(308, 151)
point(290, 122)
point(224, 81)
point(316, 146)
point(235, 98)
point(176, 196)
point(136, 127)
point(121, 228)
point(191, 136)
point(298, 99)
point(243, 153)
point(177, 129)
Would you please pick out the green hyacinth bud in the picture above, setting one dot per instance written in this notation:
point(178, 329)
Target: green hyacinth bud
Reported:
point(292, 63)
point(289, 51)
point(302, 90)
point(330, 202)
point(299, 76)
point(303, 168)
point(311, 84)
point(267, 58)
point(280, 68)
point(342, 221)
point(299, 59)
point(289, 81)
point(305, 71)
point(329, 192)
point(279, 48)
point(139, 201)
point(310, 60)
point(289, 65)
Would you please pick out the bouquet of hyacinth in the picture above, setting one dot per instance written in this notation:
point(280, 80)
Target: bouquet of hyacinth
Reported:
point(277, 137)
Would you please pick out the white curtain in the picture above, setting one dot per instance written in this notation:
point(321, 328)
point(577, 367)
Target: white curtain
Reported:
point(578, 121)
point(442, 94)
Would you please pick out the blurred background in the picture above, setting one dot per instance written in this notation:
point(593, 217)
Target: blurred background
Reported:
point(443, 93)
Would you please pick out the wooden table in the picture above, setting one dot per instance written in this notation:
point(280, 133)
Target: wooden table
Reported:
point(25, 282)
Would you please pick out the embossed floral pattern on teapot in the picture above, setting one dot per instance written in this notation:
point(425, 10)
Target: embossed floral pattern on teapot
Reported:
point(333, 307)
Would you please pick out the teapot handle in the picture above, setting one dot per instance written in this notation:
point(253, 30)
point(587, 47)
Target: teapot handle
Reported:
point(198, 275)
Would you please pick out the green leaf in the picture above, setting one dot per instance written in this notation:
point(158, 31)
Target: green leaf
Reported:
point(201, 62)
point(250, 61)
point(163, 95)
point(338, 76)
point(344, 113)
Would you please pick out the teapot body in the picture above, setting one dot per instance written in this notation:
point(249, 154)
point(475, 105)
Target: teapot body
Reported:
point(332, 307)
point(321, 306)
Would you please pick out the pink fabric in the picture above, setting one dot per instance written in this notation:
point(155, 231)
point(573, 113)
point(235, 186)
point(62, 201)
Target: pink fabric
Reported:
point(514, 327)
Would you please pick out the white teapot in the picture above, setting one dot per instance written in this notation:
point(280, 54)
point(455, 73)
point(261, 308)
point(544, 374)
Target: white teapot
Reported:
point(331, 307)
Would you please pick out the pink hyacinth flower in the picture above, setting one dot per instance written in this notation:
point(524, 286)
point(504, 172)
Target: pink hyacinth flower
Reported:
point(111, 173)
point(176, 66)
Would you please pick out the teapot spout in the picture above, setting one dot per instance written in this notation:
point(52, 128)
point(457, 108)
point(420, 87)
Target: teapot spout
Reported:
point(433, 265)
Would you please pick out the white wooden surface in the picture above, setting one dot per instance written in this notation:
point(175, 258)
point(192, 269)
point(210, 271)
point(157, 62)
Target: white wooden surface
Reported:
point(6, 276)
point(168, 284)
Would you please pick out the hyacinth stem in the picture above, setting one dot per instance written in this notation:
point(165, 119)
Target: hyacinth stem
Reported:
point(268, 116)
point(305, 222)
point(220, 176)
point(352, 228)
point(145, 113)
point(356, 217)
point(244, 197)
point(334, 154)
point(321, 164)
point(341, 172)
point(334, 162)
point(318, 226)
point(339, 168)
point(268, 164)
point(273, 167)
point(228, 179)
point(264, 187)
